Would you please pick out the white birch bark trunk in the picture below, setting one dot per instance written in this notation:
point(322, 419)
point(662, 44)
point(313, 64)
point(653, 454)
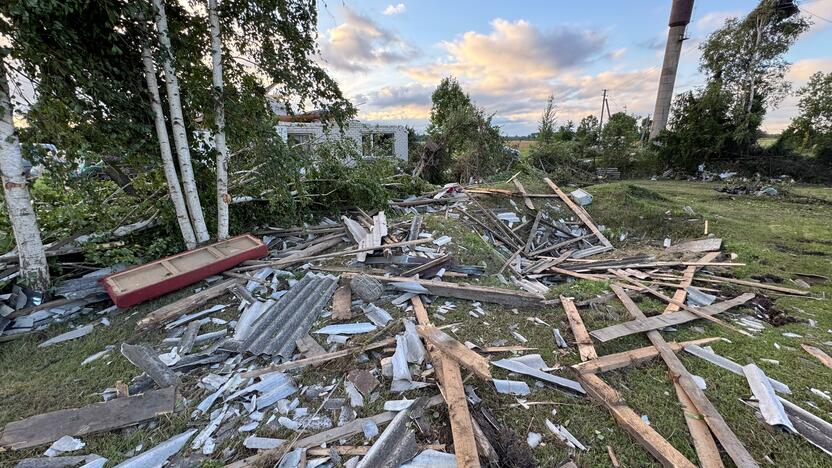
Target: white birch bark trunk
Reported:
point(34, 270)
point(164, 148)
point(223, 198)
point(180, 137)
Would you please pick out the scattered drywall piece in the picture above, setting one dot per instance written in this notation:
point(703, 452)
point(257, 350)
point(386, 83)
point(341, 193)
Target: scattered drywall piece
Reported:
point(730, 365)
point(770, 406)
point(521, 368)
point(701, 245)
point(70, 335)
point(511, 387)
point(158, 455)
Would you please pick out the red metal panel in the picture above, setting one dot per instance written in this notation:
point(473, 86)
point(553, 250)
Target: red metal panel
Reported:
point(179, 281)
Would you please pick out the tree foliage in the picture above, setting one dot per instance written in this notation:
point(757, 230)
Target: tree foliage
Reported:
point(699, 130)
point(815, 119)
point(85, 60)
point(746, 57)
point(471, 145)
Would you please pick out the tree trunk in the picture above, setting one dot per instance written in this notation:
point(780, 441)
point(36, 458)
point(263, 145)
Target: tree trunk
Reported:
point(34, 271)
point(223, 198)
point(180, 136)
point(752, 68)
point(164, 148)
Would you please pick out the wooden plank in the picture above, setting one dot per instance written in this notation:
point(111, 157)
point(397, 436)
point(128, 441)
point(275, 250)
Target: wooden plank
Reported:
point(687, 279)
point(470, 292)
point(703, 441)
point(665, 320)
point(99, 417)
point(824, 358)
point(427, 265)
point(643, 434)
point(681, 305)
point(757, 284)
point(584, 342)
point(185, 305)
point(465, 445)
point(456, 351)
point(526, 200)
point(729, 441)
point(342, 302)
point(420, 311)
point(298, 363)
point(633, 357)
point(580, 212)
point(148, 360)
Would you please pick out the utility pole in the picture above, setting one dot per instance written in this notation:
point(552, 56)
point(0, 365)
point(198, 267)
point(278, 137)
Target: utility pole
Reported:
point(680, 14)
point(603, 105)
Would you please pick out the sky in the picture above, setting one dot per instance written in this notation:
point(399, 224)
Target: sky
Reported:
point(510, 56)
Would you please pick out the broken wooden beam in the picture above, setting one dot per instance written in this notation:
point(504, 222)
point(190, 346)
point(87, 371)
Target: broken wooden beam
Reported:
point(454, 350)
point(582, 339)
point(666, 320)
point(526, 200)
point(580, 212)
point(185, 305)
point(633, 357)
point(631, 422)
point(465, 444)
point(98, 417)
point(679, 374)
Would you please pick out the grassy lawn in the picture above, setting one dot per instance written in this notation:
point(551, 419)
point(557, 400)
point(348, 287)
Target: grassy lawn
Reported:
point(773, 236)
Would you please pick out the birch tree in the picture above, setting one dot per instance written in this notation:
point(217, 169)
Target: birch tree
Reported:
point(223, 198)
point(180, 136)
point(33, 267)
point(168, 165)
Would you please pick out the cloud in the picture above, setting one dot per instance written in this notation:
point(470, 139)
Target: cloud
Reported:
point(409, 94)
point(358, 43)
point(519, 47)
point(801, 70)
point(394, 10)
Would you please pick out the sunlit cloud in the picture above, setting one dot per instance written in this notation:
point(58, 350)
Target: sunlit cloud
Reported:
point(359, 43)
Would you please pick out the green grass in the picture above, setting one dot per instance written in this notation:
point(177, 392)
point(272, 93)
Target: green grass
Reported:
point(780, 236)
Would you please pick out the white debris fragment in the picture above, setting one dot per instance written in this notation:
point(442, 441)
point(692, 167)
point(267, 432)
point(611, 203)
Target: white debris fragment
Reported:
point(262, 443)
point(564, 435)
point(533, 439)
point(511, 387)
point(64, 444)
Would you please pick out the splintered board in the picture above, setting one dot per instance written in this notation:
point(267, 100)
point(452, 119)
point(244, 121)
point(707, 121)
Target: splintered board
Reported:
point(144, 282)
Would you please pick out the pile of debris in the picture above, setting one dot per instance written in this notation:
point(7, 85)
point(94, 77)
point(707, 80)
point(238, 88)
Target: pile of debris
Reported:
point(280, 358)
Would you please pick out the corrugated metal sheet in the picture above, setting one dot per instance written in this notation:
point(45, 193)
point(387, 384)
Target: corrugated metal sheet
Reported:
point(275, 332)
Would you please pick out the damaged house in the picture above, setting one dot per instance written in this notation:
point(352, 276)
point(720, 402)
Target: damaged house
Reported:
point(308, 129)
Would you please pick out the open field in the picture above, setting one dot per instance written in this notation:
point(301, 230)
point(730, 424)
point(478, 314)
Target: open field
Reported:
point(773, 236)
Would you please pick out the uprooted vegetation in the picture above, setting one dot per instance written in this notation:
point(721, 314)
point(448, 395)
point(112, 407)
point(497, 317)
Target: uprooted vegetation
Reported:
point(54, 378)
